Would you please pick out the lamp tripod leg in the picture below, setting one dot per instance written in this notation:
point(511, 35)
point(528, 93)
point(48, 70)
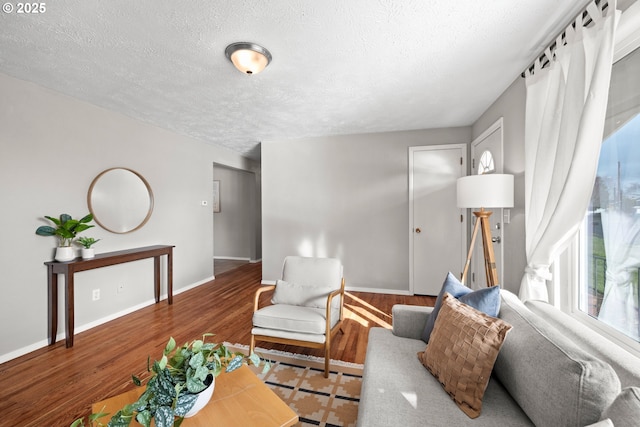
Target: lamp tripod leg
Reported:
point(489, 257)
point(473, 242)
point(491, 271)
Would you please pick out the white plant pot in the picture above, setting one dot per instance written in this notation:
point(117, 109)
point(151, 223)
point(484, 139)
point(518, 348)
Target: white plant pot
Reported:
point(203, 399)
point(65, 253)
point(88, 253)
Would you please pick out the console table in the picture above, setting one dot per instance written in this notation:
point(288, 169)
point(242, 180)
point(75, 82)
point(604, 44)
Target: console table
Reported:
point(101, 260)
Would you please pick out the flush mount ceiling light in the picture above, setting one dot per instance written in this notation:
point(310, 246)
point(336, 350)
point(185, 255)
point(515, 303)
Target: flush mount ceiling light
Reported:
point(248, 58)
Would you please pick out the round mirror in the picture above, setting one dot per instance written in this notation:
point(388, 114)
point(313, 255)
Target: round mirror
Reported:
point(120, 200)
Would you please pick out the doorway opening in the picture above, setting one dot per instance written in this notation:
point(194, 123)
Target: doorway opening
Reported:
point(236, 218)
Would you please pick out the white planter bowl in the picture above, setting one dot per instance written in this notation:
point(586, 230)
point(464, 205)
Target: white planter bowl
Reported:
point(65, 253)
point(87, 253)
point(203, 399)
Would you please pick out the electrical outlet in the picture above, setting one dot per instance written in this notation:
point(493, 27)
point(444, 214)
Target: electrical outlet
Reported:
point(120, 288)
point(96, 294)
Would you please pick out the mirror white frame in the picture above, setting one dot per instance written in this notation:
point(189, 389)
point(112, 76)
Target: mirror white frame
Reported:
point(120, 200)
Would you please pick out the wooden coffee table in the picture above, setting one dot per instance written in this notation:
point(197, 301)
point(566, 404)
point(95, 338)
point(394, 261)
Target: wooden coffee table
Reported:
point(239, 399)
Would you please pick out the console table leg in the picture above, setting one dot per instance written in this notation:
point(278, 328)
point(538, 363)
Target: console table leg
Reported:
point(69, 302)
point(52, 282)
point(156, 278)
point(170, 275)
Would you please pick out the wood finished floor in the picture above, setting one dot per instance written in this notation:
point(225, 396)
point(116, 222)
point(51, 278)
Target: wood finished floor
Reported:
point(223, 265)
point(53, 386)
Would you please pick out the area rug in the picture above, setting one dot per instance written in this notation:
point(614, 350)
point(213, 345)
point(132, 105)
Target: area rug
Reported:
point(299, 381)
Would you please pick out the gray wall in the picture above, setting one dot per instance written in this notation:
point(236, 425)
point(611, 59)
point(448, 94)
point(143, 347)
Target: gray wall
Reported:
point(342, 196)
point(511, 106)
point(346, 197)
point(51, 147)
point(235, 226)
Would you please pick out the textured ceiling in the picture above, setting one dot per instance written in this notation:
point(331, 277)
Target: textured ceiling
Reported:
point(339, 67)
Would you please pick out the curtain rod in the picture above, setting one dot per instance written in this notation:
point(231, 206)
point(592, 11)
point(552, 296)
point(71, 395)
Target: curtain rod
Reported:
point(544, 60)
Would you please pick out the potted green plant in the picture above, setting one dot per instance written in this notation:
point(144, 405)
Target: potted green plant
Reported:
point(86, 242)
point(180, 384)
point(66, 230)
point(93, 419)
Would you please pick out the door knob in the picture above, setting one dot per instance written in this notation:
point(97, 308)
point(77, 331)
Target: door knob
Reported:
point(418, 230)
point(496, 239)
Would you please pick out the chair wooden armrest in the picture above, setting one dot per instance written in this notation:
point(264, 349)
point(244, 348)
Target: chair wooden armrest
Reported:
point(259, 292)
point(329, 298)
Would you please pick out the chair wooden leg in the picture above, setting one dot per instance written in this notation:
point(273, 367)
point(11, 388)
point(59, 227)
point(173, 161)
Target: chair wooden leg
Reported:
point(253, 344)
point(327, 359)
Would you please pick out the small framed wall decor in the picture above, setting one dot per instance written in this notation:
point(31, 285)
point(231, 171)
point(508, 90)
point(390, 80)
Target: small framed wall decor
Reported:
point(216, 196)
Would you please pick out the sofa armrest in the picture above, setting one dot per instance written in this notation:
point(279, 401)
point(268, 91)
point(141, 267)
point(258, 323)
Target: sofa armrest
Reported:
point(409, 320)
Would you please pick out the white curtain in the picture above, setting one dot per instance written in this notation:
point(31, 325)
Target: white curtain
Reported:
point(565, 111)
point(622, 247)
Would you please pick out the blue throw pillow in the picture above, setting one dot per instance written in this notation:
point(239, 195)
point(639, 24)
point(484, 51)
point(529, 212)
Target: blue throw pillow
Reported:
point(486, 300)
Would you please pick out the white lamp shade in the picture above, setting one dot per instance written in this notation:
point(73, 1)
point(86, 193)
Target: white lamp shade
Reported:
point(248, 58)
point(248, 61)
point(485, 191)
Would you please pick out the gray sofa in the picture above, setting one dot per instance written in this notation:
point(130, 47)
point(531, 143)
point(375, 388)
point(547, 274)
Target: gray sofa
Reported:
point(551, 371)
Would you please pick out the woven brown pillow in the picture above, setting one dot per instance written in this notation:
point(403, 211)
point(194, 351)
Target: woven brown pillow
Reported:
point(462, 349)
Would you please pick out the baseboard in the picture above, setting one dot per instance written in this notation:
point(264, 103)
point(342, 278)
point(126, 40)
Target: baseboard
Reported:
point(193, 285)
point(377, 290)
point(233, 258)
point(78, 329)
point(85, 327)
point(22, 351)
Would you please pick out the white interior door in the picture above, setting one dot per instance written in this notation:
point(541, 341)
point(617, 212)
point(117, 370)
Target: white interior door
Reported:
point(438, 232)
point(486, 155)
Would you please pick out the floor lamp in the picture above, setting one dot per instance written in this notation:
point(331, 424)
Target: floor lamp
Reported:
point(484, 191)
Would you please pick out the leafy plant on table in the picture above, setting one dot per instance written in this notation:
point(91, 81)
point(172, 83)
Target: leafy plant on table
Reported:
point(66, 228)
point(175, 381)
point(94, 420)
point(86, 242)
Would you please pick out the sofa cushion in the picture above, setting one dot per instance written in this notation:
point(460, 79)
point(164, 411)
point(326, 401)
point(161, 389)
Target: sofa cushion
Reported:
point(294, 318)
point(398, 391)
point(462, 349)
point(486, 300)
point(625, 409)
point(624, 363)
point(302, 295)
point(309, 271)
point(554, 381)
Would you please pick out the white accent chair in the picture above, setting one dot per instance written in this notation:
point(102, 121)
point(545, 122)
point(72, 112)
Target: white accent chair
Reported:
point(306, 309)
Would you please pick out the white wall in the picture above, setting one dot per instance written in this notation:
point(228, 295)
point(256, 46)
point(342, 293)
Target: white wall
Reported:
point(345, 197)
point(51, 147)
point(511, 106)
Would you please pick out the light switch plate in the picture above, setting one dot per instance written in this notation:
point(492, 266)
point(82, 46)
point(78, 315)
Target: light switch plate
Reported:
point(506, 216)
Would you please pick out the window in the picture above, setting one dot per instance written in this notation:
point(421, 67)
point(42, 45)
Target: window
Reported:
point(486, 164)
point(608, 289)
